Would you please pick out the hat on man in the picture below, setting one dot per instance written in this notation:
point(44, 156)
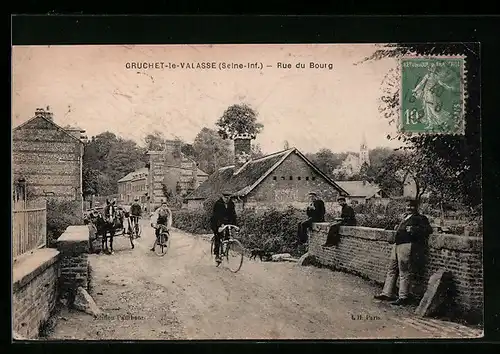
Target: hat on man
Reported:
point(136, 199)
point(226, 193)
point(313, 193)
point(341, 198)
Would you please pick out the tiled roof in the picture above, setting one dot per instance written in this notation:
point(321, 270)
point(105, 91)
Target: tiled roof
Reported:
point(242, 181)
point(58, 127)
point(133, 174)
point(359, 188)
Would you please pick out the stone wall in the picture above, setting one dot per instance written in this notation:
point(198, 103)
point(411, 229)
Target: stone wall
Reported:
point(49, 159)
point(365, 252)
point(73, 246)
point(34, 290)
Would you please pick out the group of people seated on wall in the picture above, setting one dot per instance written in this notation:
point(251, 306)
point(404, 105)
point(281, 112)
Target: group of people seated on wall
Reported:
point(316, 213)
point(410, 238)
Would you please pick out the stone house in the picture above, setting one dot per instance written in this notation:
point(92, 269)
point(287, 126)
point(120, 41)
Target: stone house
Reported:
point(275, 180)
point(172, 169)
point(364, 192)
point(133, 185)
point(49, 159)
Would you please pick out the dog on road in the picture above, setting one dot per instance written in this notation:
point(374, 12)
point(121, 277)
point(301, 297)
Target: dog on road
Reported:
point(263, 255)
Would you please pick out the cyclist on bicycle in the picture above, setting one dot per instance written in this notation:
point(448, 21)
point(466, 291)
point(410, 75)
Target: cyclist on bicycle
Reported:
point(162, 216)
point(135, 213)
point(224, 213)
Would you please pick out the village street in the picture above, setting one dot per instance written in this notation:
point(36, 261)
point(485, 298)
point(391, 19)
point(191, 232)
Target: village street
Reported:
point(184, 296)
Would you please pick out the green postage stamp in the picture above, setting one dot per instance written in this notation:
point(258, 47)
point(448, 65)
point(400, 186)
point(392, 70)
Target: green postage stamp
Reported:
point(432, 95)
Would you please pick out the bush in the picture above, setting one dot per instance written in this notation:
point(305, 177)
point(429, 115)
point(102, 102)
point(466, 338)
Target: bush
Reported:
point(272, 230)
point(60, 215)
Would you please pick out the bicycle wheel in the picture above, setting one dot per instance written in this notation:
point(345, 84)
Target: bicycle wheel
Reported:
point(212, 246)
point(131, 238)
point(138, 229)
point(234, 255)
point(163, 245)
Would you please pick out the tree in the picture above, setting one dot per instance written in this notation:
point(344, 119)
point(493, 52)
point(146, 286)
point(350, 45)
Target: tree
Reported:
point(155, 141)
point(211, 151)
point(256, 151)
point(411, 165)
point(459, 155)
point(326, 160)
point(238, 119)
point(106, 159)
point(188, 150)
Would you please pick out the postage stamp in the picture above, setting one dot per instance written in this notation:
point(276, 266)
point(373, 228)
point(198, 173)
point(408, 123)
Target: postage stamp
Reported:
point(432, 95)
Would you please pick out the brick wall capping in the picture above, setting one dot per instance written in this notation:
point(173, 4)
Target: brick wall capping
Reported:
point(29, 266)
point(437, 241)
point(456, 243)
point(75, 233)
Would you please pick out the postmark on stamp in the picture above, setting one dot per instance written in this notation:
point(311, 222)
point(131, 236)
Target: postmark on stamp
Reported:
point(432, 95)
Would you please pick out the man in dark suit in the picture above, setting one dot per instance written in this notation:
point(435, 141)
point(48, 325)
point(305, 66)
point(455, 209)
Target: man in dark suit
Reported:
point(411, 234)
point(224, 213)
point(315, 213)
point(347, 214)
point(347, 218)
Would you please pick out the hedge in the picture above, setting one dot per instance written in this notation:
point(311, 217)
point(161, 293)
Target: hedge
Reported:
point(60, 215)
point(274, 230)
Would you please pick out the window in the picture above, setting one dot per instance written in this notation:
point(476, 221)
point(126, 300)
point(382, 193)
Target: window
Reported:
point(307, 178)
point(314, 178)
point(299, 178)
point(274, 178)
point(283, 178)
point(291, 178)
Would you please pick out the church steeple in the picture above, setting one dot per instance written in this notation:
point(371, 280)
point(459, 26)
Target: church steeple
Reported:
point(364, 156)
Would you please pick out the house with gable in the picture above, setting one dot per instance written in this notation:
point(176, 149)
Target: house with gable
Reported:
point(363, 192)
point(276, 180)
point(47, 159)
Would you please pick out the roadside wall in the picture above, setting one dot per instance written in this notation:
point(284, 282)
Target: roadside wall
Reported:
point(34, 290)
point(366, 251)
point(73, 246)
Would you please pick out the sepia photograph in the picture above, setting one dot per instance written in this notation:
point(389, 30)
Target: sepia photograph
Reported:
point(246, 191)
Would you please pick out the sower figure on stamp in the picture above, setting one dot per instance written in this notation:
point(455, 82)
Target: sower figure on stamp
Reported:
point(315, 213)
point(411, 234)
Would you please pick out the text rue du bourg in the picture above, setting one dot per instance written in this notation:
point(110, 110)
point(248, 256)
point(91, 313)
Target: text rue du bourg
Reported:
point(160, 65)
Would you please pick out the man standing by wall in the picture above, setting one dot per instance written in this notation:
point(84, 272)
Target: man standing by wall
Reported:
point(411, 234)
point(315, 213)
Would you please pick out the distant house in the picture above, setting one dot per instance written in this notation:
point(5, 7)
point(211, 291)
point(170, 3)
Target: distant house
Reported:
point(275, 180)
point(362, 192)
point(49, 159)
point(133, 185)
point(137, 184)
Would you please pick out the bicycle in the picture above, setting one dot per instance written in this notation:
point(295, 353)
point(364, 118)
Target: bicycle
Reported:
point(231, 250)
point(162, 244)
point(135, 231)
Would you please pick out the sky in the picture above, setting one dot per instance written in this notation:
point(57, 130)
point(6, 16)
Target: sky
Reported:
point(95, 88)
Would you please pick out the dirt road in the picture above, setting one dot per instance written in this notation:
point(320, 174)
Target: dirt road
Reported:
point(184, 296)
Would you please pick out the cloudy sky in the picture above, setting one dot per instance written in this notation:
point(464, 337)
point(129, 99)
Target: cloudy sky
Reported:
point(90, 86)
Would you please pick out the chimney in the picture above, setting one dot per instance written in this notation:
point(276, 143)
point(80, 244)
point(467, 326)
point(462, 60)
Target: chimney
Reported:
point(173, 153)
point(194, 175)
point(242, 148)
point(41, 112)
